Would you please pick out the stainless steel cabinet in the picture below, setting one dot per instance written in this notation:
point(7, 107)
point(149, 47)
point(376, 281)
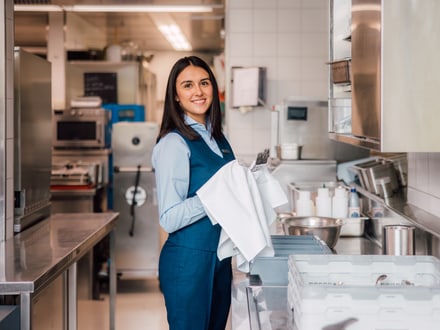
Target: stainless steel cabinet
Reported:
point(395, 75)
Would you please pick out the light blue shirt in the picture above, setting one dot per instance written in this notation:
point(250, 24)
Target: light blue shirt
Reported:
point(170, 160)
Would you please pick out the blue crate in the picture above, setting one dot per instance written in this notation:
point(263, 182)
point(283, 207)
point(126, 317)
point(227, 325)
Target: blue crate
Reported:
point(125, 112)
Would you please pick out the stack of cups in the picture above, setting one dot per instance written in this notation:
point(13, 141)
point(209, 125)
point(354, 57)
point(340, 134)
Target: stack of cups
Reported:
point(304, 204)
point(340, 203)
point(323, 203)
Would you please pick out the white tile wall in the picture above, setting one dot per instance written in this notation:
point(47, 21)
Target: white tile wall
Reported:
point(290, 39)
point(424, 181)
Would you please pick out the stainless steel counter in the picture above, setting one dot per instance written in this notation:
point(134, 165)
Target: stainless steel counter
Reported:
point(356, 246)
point(38, 255)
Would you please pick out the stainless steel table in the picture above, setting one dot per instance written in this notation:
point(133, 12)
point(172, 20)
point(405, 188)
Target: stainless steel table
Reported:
point(38, 255)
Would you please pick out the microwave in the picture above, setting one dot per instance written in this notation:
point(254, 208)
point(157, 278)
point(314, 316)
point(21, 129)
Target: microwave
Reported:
point(81, 128)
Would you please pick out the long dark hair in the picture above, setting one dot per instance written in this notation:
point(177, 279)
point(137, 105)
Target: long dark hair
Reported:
point(173, 115)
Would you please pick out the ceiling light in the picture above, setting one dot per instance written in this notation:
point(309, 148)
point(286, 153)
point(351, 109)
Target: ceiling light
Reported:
point(43, 8)
point(171, 31)
point(138, 9)
point(175, 37)
point(120, 8)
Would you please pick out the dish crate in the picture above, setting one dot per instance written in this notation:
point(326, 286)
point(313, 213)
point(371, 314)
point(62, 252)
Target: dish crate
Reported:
point(274, 270)
point(364, 292)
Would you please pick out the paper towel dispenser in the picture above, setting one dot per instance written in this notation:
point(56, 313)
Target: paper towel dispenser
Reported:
point(248, 86)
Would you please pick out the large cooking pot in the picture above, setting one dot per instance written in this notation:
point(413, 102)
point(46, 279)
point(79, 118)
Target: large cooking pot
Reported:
point(326, 229)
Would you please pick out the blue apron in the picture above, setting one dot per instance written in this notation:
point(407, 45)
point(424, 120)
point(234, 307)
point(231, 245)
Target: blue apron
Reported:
point(195, 284)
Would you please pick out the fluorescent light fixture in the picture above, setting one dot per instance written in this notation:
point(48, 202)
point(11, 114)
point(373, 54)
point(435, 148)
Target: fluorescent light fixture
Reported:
point(171, 31)
point(138, 9)
point(175, 37)
point(42, 8)
point(120, 8)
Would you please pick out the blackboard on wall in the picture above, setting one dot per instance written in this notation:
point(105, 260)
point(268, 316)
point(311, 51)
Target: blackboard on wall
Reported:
point(102, 84)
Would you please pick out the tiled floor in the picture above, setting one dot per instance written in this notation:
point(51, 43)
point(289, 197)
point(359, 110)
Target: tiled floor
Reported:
point(139, 305)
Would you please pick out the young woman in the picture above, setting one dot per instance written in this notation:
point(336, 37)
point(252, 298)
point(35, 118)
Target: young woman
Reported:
point(190, 149)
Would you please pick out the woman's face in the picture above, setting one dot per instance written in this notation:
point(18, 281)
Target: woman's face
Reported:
point(194, 92)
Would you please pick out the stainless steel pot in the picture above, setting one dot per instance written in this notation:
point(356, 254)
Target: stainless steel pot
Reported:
point(326, 229)
point(398, 240)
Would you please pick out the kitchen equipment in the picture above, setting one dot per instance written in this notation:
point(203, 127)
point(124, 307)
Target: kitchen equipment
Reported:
point(81, 128)
point(77, 186)
point(303, 122)
point(378, 177)
point(134, 197)
point(135, 84)
point(400, 163)
point(87, 158)
point(32, 139)
point(398, 240)
point(326, 229)
point(76, 174)
point(133, 142)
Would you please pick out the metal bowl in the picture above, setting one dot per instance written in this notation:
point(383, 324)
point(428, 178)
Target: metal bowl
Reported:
point(326, 229)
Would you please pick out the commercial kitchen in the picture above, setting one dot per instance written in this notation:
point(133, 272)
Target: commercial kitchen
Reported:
point(342, 94)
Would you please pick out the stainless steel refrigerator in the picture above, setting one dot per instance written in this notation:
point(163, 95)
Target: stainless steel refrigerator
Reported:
point(32, 138)
point(134, 197)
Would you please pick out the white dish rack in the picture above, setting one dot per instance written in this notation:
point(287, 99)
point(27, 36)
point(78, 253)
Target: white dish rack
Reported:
point(367, 292)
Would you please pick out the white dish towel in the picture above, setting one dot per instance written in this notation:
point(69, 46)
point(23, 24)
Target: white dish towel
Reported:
point(241, 201)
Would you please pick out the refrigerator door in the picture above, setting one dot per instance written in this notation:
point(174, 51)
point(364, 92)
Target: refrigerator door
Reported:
point(137, 231)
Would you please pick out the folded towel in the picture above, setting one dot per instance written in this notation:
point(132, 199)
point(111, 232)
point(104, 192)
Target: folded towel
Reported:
point(241, 201)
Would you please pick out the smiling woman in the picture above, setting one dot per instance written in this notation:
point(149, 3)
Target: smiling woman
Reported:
point(191, 148)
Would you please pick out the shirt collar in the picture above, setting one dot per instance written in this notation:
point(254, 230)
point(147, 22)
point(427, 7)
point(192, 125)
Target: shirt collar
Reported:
point(196, 125)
